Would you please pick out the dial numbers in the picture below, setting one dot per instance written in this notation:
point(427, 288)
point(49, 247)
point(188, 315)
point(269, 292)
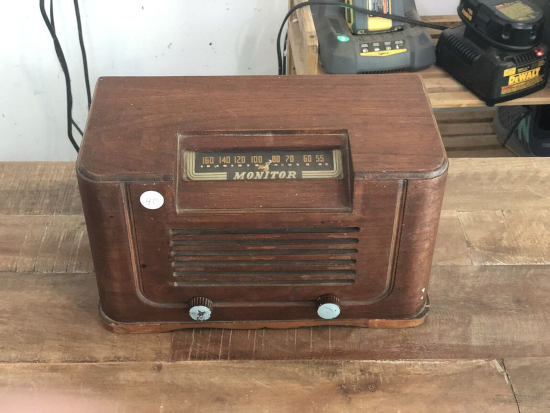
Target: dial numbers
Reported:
point(263, 165)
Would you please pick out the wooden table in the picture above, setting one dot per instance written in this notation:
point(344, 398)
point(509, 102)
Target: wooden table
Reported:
point(484, 348)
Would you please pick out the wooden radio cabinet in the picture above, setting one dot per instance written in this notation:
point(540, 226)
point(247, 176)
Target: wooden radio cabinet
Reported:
point(249, 202)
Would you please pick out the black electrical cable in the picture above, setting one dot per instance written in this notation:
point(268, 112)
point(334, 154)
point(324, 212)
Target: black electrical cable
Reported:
point(51, 15)
point(52, 21)
point(83, 52)
point(346, 6)
point(65, 69)
point(77, 127)
point(284, 51)
point(516, 126)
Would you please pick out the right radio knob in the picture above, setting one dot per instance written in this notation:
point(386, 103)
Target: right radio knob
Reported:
point(328, 307)
point(200, 308)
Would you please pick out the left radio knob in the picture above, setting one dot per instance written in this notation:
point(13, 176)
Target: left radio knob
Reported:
point(328, 307)
point(200, 308)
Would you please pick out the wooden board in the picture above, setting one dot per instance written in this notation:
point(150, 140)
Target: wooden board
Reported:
point(472, 226)
point(303, 38)
point(442, 386)
point(54, 318)
point(44, 243)
point(59, 244)
point(38, 188)
point(476, 312)
point(530, 381)
point(507, 237)
point(497, 184)
point(472, 185)
point(470, 134)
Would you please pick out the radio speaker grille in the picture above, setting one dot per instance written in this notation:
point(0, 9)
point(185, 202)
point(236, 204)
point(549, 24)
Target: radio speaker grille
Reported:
point(264, 257)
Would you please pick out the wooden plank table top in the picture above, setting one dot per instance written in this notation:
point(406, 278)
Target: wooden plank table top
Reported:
point(484, 347)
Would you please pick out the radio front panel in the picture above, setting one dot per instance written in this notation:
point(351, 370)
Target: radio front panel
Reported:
point(267, 257)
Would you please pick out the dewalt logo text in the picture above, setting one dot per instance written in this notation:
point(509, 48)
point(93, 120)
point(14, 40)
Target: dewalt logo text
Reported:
point(524, 77)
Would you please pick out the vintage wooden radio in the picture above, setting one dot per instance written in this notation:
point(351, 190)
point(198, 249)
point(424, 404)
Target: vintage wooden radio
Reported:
point(249, 202)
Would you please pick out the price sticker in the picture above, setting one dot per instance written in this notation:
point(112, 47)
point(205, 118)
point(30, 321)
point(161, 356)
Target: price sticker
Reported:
point(151, 200)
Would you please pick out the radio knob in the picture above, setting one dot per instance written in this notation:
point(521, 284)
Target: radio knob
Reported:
point(200, 308)
point(328, 307)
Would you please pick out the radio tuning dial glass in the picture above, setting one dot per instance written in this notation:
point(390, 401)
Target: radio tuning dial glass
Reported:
point(263, 165)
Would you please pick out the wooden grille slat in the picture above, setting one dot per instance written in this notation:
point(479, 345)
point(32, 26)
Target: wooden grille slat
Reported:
point(301, 274)
point(263, 283)
point(263, 242)
point(221, 253)
point(238, 231)
point(307, 237)
point(282, 263)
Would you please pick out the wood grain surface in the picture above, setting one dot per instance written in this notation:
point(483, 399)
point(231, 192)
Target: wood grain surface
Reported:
point(128, 145)
point(476, 312)
point(489, 300)
point(448, 386)
point(530, 380)
point(482, 208)
point(39, 188)
point(470, 134)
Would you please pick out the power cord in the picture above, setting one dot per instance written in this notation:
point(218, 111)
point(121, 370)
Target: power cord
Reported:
point(50, 24)
point(83, 52)
point(53, 26)
point(284, 50)
point(282, 69)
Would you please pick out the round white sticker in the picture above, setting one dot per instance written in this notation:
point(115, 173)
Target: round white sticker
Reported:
point(151, 200)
